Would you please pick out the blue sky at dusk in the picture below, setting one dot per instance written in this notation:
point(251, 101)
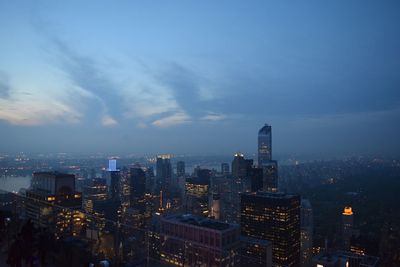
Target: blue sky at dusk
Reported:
point(199, 77)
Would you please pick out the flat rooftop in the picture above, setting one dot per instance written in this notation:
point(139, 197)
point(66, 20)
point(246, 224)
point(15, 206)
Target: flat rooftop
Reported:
point(277, 195)
point(338, 255)
point(200, 222)
point(326, 257)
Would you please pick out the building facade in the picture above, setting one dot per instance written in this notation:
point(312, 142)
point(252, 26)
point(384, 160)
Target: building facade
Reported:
point(307, 229)
point(53, 203)
point(274, 217)
point(180, 168)
point(164, 173)
point(188, 240)
point(264, 145)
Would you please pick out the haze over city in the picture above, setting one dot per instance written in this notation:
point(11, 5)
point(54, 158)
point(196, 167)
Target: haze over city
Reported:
point(199, 133)
point(199, 77)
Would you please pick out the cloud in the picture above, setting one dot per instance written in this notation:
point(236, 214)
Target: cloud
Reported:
point(144, 91)
point(341, 119)
point(85, 73)
point(147, 101)
point(213, 117)
point(117, 94)
point(175, 88)
point(141, 125)
point(175, 119)
point(108, 121)
point(192, 90)
point(24, 104)
point(35, 109)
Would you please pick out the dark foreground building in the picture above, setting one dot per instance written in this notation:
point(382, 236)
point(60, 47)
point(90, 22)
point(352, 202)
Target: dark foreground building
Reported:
point(255, 252)
point(53, 203)
point(274, 217)
point(344, 258)
point(188, 240)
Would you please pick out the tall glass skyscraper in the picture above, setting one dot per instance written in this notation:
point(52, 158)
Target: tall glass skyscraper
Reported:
point(264, 145)
point(164, 172)
point(114, 176)
point(269, 166)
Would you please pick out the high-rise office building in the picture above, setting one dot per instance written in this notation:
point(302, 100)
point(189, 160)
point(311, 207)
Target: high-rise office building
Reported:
point(150, 179)
point(114, 176)
point(112, 165)
point(256, 179)
point(274, 217)
point(241, 166)
point(225, 168)
point(265, 159)
point(94, 190)
point(347, 226)
point(54, 203)
point(306, 232)
point(255, 252)
point(197, 193)
point(180, 168)
point(264, 145)
point(137, 188)
point(125, 188)
point(164, 173)
point(133, 237)
point(188, 240)
point(248, 178)
point(270, 176)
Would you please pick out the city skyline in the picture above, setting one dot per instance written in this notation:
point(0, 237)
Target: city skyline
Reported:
point(199, 78)
point(199, 133)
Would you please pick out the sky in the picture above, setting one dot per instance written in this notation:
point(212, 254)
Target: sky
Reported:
point(200, 77)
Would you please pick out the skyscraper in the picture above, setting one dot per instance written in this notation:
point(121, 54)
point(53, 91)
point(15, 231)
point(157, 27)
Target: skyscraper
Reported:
point(54, 203)
point(270, 176)
point(93, 190)
point(347, 226)
point(225, 168)
point(180, 168)
point(137, 188)
point(248, 178)
point(264, 145)
point(164, 172)
point(114, 177)
point(307, 227)
point(255, 252)
point(256, 179)
point(274, 217)
point(197, 193)
point(265, 161)
point(241, 166)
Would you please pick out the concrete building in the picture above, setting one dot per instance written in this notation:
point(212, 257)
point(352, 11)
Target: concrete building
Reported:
point(188, 240)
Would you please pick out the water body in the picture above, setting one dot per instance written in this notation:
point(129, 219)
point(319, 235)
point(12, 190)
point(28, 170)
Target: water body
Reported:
point(14, 184)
